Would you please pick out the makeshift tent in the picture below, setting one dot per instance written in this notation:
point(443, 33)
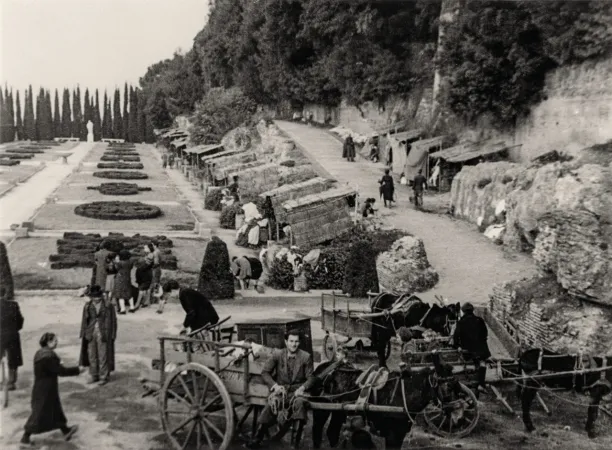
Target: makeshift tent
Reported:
point(287, 192)
point(222, 174)
point(256, 180)
point(223, 160)
point(417, 159)
point(199, 150)
point(469, 153)
point(320, 217)
point(395, 142)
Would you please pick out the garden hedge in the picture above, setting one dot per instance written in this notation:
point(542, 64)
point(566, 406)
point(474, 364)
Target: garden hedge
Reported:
point(77, 249)
point(216, 281)
point(126, 158)
point(7, 288)
point(117, 175)
point(24, 150)
point(360, 276)
point(227, 219)
point(118, 210)
point(9, 162)
point(212, 202)
point(119, 188)
point(33, 147)
point(120, 165)
point(19, 156)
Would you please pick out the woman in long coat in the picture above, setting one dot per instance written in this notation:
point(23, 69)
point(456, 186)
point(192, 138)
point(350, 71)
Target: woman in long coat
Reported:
point(387, 188)
point(122, 290)
point(47, 413)
point(349, 149)
point(11, 322)
point(101, 265)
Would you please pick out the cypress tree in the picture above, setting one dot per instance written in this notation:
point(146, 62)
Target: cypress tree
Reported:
point(126, 115)
point(18, 117)
point(57, 118)
point(3, 118)
point(117, 119)
point(77, 114)
point(49, 117)
point(29, 123)
point(66, 114)
point(40, 119)
point(10, 131)
point(86, 114)
point(107, 125)
point(142, 117)
point(134, 117)
point(96, 119)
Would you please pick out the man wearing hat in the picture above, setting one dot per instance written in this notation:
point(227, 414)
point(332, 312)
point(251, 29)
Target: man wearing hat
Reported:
point(98, 333)
point(471, 335)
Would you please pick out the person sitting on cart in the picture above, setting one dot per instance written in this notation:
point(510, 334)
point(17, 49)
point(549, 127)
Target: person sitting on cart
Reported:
point(286, 374)
point(471, 336)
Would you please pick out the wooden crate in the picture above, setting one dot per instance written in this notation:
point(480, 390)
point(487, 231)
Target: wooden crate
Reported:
point(271, 332)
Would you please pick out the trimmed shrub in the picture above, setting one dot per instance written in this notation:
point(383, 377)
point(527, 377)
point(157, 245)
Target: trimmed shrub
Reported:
point(281, 274)
point(33, 147)
point(119, 188)
point(120, 165)
point(212, 202)
point(216, 281)
point(28, 151)
point(288, 163)
point(126, 158)
point(19, 156)
point(360, 270)
point(7, 288)
point(113, 174)
point(227, 219)
point(9, 162)
point(118, 210)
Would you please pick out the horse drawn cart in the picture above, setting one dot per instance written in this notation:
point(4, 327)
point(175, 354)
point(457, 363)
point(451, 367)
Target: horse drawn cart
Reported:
point(208, 389)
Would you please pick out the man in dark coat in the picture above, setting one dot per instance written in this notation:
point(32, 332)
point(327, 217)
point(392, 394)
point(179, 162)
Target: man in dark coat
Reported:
point(11, 322)
point(471, 335)
point(287, 373)
point(98, 333)
point(199, 311)
point(234, 189)
point(47, 413)
point(348, 150)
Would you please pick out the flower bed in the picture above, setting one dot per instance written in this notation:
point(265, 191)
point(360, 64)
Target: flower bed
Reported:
point(126, 146)
point(119, 188)
point(77, 249)
point(120, 165)
point(19, 156)
point(29, 150)
point(33, 147)
point(9, 162)
point(115, 175)
point(118, 210)
point(121, 151)
point(120, 157)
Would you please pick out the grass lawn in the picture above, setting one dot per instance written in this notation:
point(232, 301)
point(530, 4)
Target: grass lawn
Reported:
point(158, 192)
point(29, 259)
point(62, 217)
point(17, 174)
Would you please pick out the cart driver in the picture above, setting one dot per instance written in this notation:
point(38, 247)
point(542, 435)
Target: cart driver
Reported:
point(286, 373)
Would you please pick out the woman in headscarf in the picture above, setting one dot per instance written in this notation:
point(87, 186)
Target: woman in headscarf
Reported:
point(47, 413)
point(387, 188)
point(122, 290)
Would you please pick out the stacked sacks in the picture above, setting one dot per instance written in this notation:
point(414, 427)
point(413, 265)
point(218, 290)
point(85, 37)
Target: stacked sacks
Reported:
point(405, 268)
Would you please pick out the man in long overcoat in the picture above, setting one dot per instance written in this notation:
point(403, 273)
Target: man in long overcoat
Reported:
point(471, 335)
point(286, 373)
point(98, 334)
point(11, 322)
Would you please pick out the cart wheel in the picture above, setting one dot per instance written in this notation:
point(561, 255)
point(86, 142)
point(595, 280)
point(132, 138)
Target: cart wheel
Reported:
point(359, 346)
point(388, 350)
point(330, 347)
point(196, 408)
point(443, 422)
point(5, 387)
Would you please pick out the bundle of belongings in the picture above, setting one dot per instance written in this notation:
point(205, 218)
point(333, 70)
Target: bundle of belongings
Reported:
point(227, 199)
point(254, 230)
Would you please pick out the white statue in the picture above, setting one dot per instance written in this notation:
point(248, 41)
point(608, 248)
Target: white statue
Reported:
point(90, 137)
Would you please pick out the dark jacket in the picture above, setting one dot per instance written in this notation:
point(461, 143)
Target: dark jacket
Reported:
point(47, 413)
point(419, 182)
point(471, 335)
point(144, 277)
point(107, 322)
point(11, 322)
point(275, 369)
point(199, 310)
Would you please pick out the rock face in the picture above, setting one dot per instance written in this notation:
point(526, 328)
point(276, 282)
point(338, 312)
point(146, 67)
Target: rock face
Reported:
point(561, 211)
point(405, 268)
point(541, 315)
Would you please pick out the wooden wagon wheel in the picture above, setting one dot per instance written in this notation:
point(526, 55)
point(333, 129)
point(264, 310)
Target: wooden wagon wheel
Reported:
point(330, 347)
point(445, 422)
point(5, 385)
point(196, 409)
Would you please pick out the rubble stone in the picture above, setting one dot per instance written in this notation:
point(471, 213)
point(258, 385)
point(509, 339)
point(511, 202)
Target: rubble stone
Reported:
point(405, 267)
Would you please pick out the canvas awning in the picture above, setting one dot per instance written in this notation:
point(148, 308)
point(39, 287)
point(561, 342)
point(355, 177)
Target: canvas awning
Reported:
point(175, 132)
point(331, 194)
point(397, 126)
point(406, 135)
point(429, 143)
point(219, 155)
point(203, 149)
point(468, 151)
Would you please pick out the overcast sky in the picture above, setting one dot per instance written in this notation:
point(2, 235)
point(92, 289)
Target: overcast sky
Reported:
point(93, 43)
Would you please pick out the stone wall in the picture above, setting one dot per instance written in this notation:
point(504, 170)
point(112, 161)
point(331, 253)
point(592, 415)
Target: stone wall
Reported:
point(562, 211)
point(540, 315)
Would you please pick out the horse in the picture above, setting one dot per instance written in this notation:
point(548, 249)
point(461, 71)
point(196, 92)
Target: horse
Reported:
point(410, 390)
point(414, 312)
point(597, 383)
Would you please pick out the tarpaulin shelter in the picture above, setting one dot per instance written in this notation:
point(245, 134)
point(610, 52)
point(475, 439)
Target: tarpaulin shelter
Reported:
point(320, 217)
point(288, 192)
point(469, 153)
point(395, 143)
